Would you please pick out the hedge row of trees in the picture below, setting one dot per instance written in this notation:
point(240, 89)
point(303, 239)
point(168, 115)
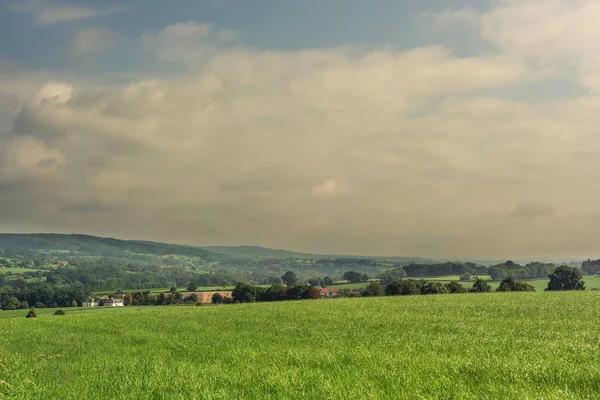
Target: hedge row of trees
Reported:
point(40, 296)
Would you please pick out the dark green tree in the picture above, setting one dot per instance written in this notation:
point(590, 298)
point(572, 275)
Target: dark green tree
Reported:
point(455, 287)
point(373, 289)
point(393, 288)
point(289, 278)
point(433, 288)
point(408, 288)
point(354, 277)
point(192, 285)
point(217, 298)
point(31, 313)
point(481, 286)
point(509, 284)
point(566, 278)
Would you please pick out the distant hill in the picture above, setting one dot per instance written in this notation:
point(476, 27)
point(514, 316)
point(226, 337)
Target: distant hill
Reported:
point(258, 252)
point(94, 245)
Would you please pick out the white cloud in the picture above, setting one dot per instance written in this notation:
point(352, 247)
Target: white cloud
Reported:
point(49, 13)
point(186, 42)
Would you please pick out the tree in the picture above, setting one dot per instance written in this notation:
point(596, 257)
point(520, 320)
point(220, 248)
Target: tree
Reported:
point(74, 303)
point(327, 281)
point(373, 289)
point(408, 288)
point(354, 277)
point(192, 285)
point(509, 284)
point(192, 298)
point(315, 282)
point(60, 311)
point(455, 287)
point(393, 288)
point(244, 293)
point(12, 303)
point(217, 298)
point(289, 278)
point(433, 288)
point(481, 286)
point(465, 278)
point(31, 313)
point(566, 278)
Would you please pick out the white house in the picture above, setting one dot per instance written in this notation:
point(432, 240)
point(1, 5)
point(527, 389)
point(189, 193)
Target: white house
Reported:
point(105, 301)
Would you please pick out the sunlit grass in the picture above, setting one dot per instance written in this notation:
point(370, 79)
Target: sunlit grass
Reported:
point(495, 346)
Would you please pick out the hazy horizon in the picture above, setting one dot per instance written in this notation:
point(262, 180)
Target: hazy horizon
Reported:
point(438, 130)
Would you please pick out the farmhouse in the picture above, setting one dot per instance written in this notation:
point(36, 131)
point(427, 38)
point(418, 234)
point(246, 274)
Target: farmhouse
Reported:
point(326, 292)
point(105, 301)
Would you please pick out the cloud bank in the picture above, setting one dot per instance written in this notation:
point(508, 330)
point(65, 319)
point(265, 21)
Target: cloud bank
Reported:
point(356, 150)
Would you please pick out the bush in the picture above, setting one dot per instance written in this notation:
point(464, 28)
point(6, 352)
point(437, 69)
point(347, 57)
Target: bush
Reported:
point(393, 288)
point(373, 289)
point(566, 278)
point(433, 288)
point(455, 287)
point(74, 303)
point(408, 288)
point(217, 298)
point(31, 313)
point(481, 286)
point(60, 311)
point(510, 285)
point(465, 278)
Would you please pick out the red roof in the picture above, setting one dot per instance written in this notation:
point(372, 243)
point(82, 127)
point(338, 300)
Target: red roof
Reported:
point(326, 290)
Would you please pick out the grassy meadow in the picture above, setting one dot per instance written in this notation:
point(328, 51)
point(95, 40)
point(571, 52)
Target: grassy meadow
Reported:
point(473, 346)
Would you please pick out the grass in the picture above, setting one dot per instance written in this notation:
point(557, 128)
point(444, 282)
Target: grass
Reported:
point(488, 346)
point(16, 270)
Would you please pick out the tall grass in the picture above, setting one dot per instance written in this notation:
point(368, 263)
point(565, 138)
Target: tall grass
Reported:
point(494, 346)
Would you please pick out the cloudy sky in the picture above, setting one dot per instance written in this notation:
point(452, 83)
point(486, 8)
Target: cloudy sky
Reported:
point(437, 128)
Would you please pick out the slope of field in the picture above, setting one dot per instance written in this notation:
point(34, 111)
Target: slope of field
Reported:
point(499, 345)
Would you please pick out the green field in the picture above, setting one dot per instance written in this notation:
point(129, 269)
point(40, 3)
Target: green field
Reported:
point(495, 346)
point(15, 270)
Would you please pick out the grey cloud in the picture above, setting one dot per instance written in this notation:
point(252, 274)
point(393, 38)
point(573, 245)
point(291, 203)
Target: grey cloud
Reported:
point(532, 210)
point(230, 153)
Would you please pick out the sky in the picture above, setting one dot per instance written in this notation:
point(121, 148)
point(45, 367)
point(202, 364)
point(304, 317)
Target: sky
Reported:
point(442, 129)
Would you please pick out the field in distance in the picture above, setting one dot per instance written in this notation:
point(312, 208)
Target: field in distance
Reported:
point(497, 345)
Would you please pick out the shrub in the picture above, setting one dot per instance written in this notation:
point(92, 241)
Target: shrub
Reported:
point(217, 298)
point(566, 278)
point(481, 286)
point(510, 285)
point(60, 311)
point(455, 287)
point(31, 313)
point(465, 278)
point(408, 288)
point(393, 288)
point(74, 303)
point(373, 289)
point(433, 288)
